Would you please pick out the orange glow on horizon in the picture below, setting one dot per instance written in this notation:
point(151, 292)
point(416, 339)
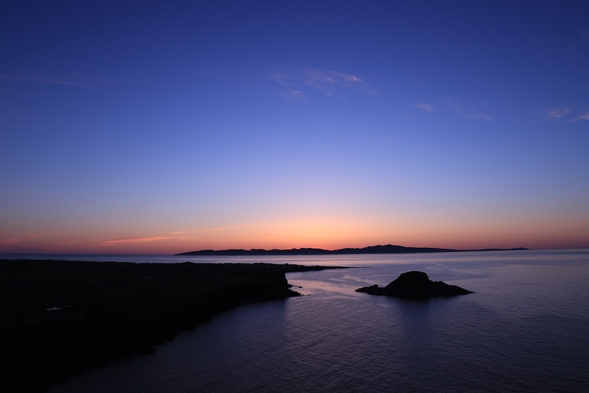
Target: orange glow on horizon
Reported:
point(327, 233)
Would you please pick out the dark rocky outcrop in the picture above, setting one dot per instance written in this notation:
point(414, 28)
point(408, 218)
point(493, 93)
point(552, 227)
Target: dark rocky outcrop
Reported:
point(60, 318)
point(415, 285)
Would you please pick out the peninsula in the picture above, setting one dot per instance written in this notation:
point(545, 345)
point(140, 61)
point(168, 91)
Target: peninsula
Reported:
point(60, 318)
point(380, 249)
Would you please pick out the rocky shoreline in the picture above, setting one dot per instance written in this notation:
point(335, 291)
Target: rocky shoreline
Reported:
point(60, 318)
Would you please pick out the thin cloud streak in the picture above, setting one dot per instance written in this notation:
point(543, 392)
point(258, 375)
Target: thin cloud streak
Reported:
point(9, 242)
point(426, 107)
point(584, 116)
point(328, 83)
point(294, 95)
point(451, 106)
point(176, 235)
point(17, 239)
point(557, 114)
point(74, 80)
point(136, 240)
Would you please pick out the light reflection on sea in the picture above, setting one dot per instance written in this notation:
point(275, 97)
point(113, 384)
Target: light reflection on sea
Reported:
point(523, 330)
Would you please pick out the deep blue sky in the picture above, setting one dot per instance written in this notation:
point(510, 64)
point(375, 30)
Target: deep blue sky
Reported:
point(136, 126)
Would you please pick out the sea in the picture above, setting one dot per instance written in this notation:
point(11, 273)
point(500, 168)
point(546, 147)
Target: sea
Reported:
point(524, 329)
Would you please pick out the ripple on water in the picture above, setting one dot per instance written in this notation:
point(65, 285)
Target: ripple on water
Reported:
point(511, 335)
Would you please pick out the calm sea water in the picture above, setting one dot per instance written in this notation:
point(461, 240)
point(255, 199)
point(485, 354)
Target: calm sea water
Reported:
point(526, 329)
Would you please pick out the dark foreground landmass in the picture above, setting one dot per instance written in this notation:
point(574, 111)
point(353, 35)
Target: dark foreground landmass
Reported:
point(386, 249)
point(415, 285)
point(60, 318)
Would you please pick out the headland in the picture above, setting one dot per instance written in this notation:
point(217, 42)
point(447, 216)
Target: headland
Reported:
point(60, 318)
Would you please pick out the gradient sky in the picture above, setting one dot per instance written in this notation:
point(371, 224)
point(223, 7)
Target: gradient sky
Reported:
point(164, 127)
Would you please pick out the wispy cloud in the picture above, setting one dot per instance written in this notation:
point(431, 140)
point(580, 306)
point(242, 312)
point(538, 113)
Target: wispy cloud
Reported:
point(426, 107)
point(557, 114)
point(17, 239)
point(191, 234)
point(582, 116)
point(293, 95)
point(74, 80)
point(136, 240)
point(320, 79)
point(327, 83)
point(469, 111)
point(9, 242)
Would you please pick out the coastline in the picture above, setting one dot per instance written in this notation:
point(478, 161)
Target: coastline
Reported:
point(61, 318)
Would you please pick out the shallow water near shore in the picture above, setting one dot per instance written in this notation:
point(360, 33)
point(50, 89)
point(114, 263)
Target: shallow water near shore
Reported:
point(524, 329)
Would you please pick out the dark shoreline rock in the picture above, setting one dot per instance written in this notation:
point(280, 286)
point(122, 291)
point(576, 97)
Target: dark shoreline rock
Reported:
point(61, 318)
point(415, 285)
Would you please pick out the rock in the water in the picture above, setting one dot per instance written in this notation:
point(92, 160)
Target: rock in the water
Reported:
point(415, 285)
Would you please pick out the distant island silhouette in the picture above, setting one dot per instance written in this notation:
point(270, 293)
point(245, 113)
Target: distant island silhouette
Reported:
point(380, 249)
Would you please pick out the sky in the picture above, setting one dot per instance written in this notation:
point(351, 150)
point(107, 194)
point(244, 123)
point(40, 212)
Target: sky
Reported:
point(172, 126)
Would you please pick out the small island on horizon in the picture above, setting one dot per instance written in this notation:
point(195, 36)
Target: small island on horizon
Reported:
point(379, 249)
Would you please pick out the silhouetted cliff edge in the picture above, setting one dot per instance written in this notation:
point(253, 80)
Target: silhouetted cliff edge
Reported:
point(60, 318)
point(415, 285)
point(380, 249)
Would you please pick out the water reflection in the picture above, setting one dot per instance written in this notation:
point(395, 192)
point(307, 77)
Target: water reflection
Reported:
point(512, 334)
